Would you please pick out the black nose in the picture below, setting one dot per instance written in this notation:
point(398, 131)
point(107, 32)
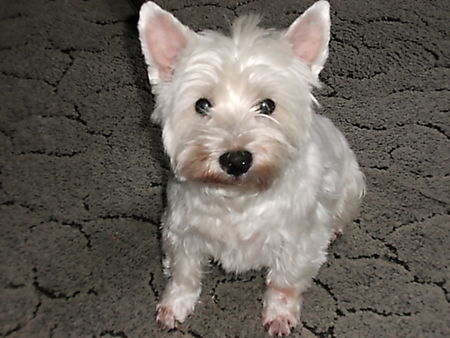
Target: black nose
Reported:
point(236, 163)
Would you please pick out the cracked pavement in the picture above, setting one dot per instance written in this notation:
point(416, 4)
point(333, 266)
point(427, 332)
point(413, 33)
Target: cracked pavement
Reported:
point(83, 174)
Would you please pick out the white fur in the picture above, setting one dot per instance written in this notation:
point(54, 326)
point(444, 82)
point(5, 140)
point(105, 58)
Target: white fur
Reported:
point(304, 183)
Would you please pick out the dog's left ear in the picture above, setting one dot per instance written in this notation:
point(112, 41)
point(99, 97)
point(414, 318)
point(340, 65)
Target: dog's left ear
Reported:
point(163, 38)
point(309, 35)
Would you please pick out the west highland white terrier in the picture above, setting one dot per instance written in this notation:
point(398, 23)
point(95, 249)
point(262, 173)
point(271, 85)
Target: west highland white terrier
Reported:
point(260, 180)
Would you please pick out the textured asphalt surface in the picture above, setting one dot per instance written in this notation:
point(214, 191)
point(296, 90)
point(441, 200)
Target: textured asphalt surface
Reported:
point(83, 174)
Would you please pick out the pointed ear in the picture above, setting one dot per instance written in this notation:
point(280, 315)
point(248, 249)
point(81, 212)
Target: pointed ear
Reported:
point(309, 35)
point(162, 38)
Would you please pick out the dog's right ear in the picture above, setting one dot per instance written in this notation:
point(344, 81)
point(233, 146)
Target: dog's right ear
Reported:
point(162, 38)
point(309, 35)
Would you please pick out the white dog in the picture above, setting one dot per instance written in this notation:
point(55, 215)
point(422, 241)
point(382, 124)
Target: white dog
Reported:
point(260, 180)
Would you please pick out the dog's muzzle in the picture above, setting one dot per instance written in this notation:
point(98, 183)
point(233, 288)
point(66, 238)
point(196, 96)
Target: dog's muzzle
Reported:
point(236, 163)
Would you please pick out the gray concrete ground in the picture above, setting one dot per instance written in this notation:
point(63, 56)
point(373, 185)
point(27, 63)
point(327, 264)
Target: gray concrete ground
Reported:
point(83, 174)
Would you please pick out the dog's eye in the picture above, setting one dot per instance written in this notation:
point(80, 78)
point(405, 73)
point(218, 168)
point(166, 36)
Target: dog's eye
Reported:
point(266, 107)
point(202, 106)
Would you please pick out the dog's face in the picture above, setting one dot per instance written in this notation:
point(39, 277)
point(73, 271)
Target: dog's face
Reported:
point(233, 109)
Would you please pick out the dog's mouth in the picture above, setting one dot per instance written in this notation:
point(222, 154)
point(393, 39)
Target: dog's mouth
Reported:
point(234, 169)
point(255, 179)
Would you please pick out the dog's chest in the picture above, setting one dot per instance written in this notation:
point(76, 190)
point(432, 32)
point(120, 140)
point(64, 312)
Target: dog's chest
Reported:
point(238, 241)
point(241, 232)
point(239, 251)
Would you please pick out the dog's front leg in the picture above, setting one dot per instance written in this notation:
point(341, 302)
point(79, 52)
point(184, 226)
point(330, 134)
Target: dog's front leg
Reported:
point(282, 301)
point(183, 290)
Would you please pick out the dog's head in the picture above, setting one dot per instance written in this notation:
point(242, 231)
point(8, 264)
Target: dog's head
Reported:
point(233, 109)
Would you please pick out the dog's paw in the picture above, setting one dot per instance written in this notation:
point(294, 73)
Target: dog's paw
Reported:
point(281, 311)
point(165, 317)
point(336, 234)
point(280, 325)
point(169, 315)
point(176, 304)
point(338, 230)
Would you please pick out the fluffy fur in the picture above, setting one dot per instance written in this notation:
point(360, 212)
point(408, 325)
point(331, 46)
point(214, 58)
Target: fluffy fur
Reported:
point(303, 185)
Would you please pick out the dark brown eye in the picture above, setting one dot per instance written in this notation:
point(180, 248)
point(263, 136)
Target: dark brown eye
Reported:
point(266, 107)
point(203, 106)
